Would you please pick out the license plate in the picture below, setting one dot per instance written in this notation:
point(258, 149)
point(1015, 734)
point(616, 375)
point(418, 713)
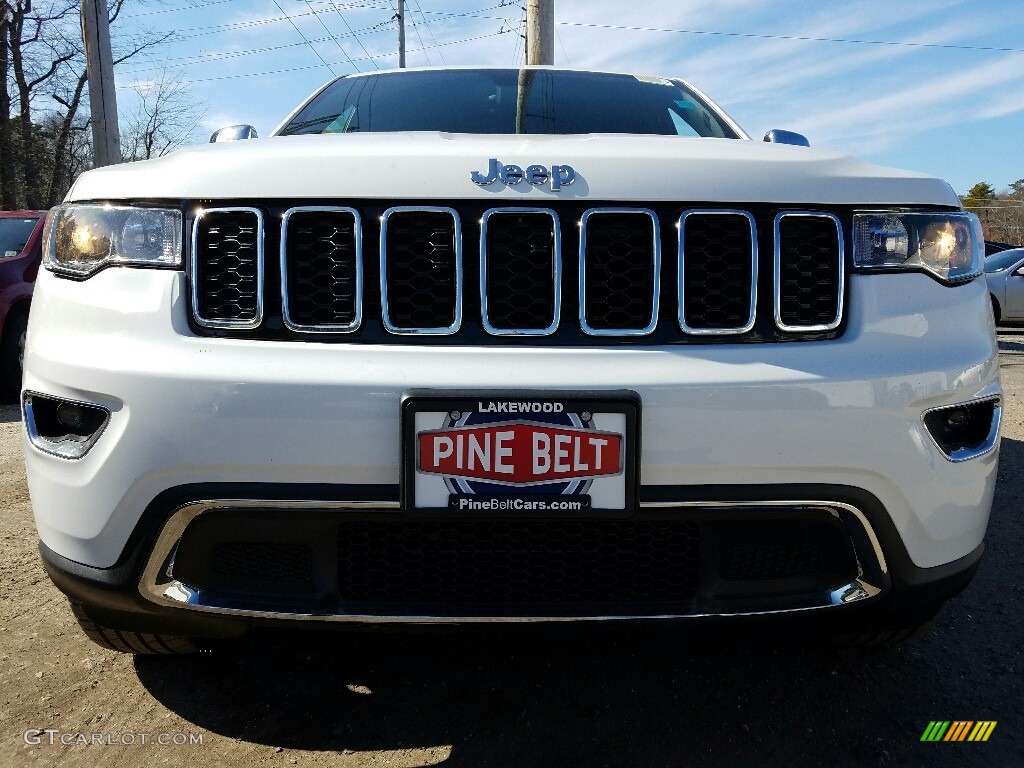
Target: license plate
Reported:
point(520, 452)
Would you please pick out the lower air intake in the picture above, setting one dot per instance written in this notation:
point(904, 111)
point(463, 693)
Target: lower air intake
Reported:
point(520, 561)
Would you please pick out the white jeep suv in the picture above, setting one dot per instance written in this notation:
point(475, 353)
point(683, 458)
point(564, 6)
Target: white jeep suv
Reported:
point(534, 344)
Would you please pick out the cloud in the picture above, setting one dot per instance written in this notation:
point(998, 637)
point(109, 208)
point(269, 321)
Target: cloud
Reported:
point(949, 98)
point(860, 96)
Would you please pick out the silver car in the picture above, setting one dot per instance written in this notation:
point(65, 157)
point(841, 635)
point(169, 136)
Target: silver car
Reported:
point(1005, 275)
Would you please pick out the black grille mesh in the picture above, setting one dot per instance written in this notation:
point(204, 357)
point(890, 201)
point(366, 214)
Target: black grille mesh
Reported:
point(421, 269)
point(809, 271)
point(520, 561)
point(786, 550)
point(771, 562)
point(520, 255)
point(619, 271)
point(717, 271)
point(321, 264)
point(263, 561)
point(227, 278)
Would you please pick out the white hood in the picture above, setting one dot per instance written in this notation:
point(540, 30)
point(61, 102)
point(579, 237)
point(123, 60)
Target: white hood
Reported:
point(437, 166)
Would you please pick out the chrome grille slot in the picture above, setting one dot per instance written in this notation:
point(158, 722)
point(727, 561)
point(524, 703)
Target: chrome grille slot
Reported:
point(322, 269)
point(421, 270)
point(809, 271)
point(717, 272)
point(620, 265)
point(227, 268)
point(520, 271)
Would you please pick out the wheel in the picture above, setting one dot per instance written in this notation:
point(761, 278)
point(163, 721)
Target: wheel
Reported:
point(995, 308)
point(131, 642)
point(12, 352)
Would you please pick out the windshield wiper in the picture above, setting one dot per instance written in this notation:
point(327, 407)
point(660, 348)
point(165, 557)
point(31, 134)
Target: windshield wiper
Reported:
point(296, 127)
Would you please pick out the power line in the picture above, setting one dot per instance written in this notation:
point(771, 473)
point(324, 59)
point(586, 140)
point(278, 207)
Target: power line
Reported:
point(336, 7)
point(204, 5)
point(520, 49)
point(443, 14)
point(187, 61)
point(316, 66)
point(240, 26)
point(564, 52)
point(190, 61)
point(476, 14)
point(416, 29)
point(314, 50)
point(207, 29)
point(345, 22)
point(797, 38)
point(429, 31)
point(336, 42)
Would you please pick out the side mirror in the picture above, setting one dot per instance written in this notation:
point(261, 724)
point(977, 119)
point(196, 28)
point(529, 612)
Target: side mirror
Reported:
point(777, 136)
point(234, 133)
point(1019, 272)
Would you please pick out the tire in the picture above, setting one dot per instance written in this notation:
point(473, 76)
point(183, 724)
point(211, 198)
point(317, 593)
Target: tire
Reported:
point(12, 352)
point(131, 642)
point(995, 308)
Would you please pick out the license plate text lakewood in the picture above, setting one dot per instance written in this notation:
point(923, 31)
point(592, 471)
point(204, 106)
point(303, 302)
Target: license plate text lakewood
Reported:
point(519, 407)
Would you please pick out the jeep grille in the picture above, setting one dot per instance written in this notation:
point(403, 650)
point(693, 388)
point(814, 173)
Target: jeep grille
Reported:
point(568, 275)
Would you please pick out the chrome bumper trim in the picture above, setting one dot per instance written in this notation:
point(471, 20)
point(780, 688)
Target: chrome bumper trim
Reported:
point(158, 584)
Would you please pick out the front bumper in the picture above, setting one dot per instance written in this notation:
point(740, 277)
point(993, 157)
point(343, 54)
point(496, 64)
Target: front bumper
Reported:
point(366, 561)
point(783, 418)
point(145, 593)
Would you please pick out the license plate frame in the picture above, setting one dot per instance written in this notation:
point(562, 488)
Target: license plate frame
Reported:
point(549, 432)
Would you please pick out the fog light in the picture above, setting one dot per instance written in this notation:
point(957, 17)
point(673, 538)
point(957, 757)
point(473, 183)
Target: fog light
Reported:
point(965, 431)
point(958, 418)
point(70, 415)
point(63, 428)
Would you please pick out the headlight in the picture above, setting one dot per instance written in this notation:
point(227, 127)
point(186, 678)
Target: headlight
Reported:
point(949, 246)
point(81, 239)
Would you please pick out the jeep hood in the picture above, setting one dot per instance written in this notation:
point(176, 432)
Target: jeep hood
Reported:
point(437, 166)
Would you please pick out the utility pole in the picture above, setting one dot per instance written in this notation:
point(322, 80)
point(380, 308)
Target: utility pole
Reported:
point(401, 34)
point(540, 31)
point(102, 97)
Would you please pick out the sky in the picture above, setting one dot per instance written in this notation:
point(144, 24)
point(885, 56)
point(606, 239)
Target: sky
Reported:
point(935, 86)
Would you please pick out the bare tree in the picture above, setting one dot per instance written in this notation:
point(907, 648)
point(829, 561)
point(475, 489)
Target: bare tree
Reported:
point(164, 119)
point(37, 51)
point(44, 62)
point(8, 188)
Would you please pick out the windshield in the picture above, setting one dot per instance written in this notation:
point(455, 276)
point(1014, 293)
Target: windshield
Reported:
point(999, 262)
point(14, 234)
point(502, 101)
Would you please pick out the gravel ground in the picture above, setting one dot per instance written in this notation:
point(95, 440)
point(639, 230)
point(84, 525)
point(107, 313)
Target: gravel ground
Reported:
point(518, 696)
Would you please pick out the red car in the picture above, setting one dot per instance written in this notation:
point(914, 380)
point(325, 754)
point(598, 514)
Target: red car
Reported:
point(21, 248)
